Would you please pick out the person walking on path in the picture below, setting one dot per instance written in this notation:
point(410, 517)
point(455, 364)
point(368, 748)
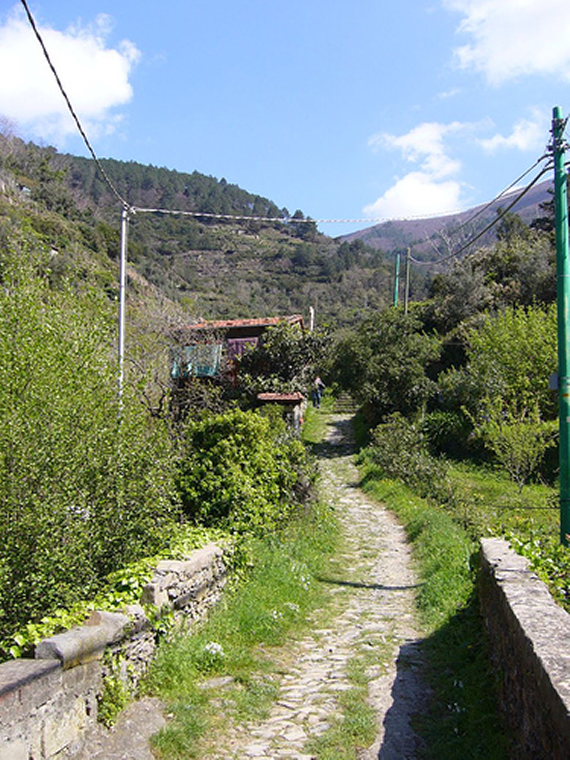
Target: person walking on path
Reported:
point(318, 390)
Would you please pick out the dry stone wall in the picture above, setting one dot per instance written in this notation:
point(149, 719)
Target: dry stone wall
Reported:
point(530, 639)
point(49, 704)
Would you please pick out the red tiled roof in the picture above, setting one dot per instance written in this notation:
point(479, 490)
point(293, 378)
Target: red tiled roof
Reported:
point(296, 396)
point(260, 322)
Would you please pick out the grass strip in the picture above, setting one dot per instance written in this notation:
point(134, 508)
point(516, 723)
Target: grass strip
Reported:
point(463, 720)
point(222, 671)
point(489, 503)
point(356, 728)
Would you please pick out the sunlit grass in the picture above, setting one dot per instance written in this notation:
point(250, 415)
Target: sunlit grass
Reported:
point(463, 719)
point(224, 671)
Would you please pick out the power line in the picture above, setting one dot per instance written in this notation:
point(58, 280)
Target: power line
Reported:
point(282, 220)
point(500, 195)
point(70, 107)
point(487, 227)
point(288, 219)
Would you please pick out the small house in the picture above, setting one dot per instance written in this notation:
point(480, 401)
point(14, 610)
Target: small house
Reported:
point(210, 348)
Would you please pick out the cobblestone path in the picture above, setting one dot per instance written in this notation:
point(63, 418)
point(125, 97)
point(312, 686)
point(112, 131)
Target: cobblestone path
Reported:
point(372, 616)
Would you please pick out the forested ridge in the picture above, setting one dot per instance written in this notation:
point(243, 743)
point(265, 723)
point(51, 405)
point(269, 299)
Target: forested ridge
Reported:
point(214, 268)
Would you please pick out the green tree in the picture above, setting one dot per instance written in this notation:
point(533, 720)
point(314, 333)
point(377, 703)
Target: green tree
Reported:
point(504, 388)
point(384, 363)
point(511, 357)
point(285, 359)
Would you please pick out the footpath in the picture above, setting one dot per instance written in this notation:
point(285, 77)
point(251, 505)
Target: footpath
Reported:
point(371, 619)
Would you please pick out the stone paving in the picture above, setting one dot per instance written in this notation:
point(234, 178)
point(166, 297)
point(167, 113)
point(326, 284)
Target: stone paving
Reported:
point(372, 588)
point(375, 585)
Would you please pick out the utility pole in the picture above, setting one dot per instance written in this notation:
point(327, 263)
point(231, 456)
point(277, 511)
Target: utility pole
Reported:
point(407, 290)
point(397, 280)
point(563, 289)
point(122, 299)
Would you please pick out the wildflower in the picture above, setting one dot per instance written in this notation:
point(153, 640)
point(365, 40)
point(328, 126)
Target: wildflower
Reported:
point(215, 649)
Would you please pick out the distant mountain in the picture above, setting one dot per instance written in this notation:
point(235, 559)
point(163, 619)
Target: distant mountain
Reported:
point(440, 234)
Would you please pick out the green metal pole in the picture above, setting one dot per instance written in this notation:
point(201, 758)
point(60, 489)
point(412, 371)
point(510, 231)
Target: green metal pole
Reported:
point(563, 287)
point(407, 290)
point(397, 281)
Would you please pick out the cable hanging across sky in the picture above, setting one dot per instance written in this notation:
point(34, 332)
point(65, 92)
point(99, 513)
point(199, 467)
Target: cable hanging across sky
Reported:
point(130, 209)
point(69, 106)
point(488, 227)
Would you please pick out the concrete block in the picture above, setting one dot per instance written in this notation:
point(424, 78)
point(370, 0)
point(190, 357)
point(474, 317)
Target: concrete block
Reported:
point(199, 560)
point(84, 643)
point(154, 594)
point(138, 618)
point(82, 678)
point(530, 638)
point(24, 685)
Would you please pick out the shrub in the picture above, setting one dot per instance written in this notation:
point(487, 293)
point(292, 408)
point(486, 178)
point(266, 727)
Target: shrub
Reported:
point(400, 448)
point(519, 443)
point(84, 489)
point(448, 433)
point(383, 364)
point(241, 470)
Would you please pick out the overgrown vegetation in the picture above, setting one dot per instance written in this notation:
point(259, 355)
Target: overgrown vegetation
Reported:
point(469, 372)
point(466, 447)
point(90, 486)
point(85, 487)
point(234, 645)
point(242, 471)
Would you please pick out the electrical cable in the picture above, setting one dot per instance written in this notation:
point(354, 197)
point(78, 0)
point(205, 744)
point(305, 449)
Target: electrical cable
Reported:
point(500, 195)
point(285, 219)
point(309, 220)
point(486, 228)
point(70, 108)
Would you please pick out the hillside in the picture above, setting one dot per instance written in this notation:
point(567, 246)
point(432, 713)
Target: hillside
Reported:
point(218, 268)
point(437, 234)
point(210, 268)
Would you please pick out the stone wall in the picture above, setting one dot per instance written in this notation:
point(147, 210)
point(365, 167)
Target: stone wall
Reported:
point(49, 704)
point(530, 639)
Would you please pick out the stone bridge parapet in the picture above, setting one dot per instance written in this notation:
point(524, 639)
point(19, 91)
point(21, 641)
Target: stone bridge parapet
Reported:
point(48, 704)
point(530, 640)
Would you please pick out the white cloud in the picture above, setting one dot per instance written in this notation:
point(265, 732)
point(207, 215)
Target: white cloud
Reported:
point(527, 134)
point(424, 143)
point(417, 194)
point(429, 190)
point(448, 94)
point(96, 77)
point(513, 38)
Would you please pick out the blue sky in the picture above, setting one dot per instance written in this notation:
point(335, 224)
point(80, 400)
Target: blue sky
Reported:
point(344, 109)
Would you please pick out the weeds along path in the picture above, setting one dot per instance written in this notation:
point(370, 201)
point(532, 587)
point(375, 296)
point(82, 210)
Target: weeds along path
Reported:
point(355, 679)
point(358, 673)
